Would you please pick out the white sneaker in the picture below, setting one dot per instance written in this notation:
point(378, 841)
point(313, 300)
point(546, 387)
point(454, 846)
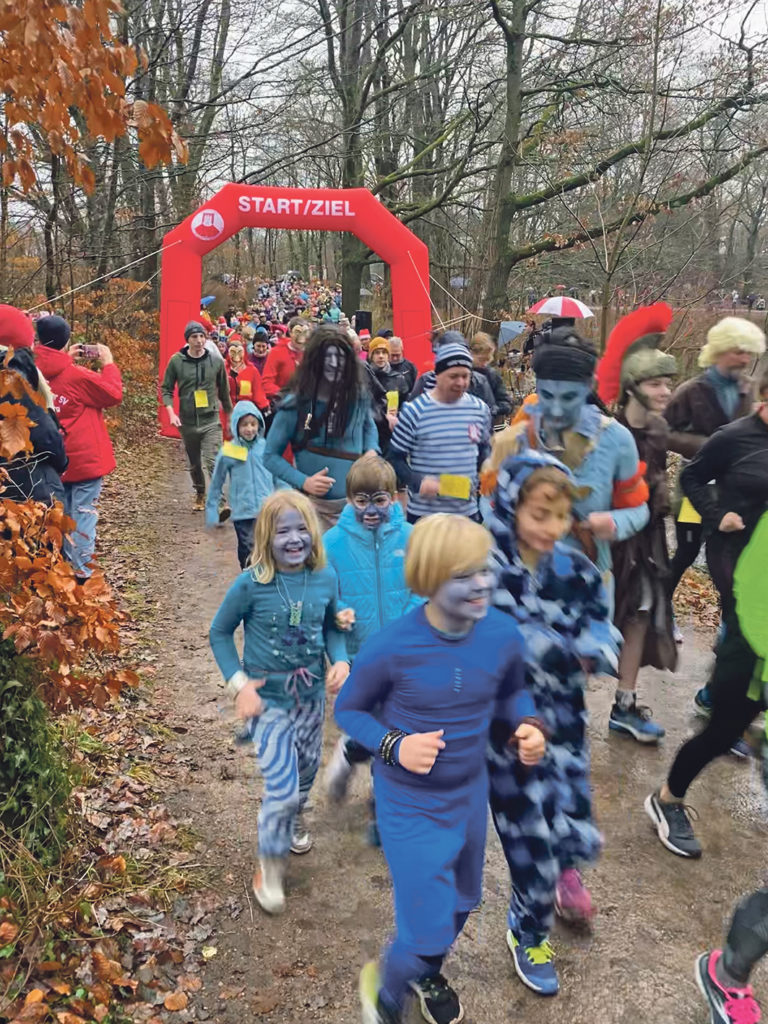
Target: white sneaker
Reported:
point(268, 884)
point(301, 839)
point(338, 773)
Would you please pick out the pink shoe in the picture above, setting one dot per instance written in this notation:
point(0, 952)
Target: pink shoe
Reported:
point(573, 901)
point(726, 1005)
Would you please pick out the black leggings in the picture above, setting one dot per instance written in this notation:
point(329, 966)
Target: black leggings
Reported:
point(688, 547)
point(732, 709)
point(747, 937)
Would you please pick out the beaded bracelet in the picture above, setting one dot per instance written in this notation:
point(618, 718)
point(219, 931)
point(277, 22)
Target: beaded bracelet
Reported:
point(388, 744)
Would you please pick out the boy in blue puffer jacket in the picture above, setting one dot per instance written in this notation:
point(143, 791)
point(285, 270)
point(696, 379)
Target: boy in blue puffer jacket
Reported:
point(367, 550)
point(250, 482)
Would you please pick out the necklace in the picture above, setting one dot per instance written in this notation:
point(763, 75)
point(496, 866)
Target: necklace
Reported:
point(294, 608)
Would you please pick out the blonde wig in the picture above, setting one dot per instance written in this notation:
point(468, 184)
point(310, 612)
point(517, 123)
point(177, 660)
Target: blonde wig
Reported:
point(733, 332)
point(442, 546)
point(262, 560)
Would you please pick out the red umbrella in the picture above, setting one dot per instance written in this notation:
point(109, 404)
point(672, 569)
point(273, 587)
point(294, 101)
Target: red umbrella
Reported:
point(562, 305)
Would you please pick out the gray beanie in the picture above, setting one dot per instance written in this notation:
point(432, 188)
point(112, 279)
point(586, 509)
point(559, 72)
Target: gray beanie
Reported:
point(193, 327)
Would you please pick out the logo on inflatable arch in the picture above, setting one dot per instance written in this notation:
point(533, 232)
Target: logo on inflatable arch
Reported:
point(207, 225)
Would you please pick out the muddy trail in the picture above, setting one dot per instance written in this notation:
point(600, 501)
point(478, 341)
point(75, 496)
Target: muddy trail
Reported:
point(655, 911)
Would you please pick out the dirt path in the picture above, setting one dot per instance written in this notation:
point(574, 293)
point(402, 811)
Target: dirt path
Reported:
point(656, 911)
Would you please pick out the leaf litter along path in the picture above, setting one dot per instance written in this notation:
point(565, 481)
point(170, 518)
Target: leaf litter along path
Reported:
point(655, 911)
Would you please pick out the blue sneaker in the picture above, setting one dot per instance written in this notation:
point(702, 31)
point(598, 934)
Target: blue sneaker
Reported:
point(702, 702)
point(636, 720)
point(533, 964)
point(740, 749)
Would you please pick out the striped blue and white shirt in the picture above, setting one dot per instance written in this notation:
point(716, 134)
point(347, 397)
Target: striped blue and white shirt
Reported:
point(439, 438)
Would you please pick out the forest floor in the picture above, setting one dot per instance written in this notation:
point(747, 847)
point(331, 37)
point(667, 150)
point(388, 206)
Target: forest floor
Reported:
point(655, 911)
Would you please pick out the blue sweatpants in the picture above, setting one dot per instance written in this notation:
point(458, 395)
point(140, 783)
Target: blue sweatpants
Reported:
point(434, 842)
point(288, 745)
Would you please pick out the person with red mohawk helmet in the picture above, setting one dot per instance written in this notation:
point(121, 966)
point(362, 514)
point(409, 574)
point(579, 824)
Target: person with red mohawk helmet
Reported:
point(35, 474)
point(635, 374)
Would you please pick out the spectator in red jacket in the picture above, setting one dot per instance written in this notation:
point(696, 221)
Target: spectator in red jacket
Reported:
point(283, 360)
point(79, 397)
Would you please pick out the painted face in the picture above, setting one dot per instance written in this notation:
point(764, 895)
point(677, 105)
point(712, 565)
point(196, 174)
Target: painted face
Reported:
point(291, 541)
point(465, 597)
point(334, 362)
point(248, 427)
point(561, 401)
point(657, 391)
point(380, 357)
point(543, 518)
point(372, 509)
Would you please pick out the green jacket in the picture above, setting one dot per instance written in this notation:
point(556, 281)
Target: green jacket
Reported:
point(205, 374)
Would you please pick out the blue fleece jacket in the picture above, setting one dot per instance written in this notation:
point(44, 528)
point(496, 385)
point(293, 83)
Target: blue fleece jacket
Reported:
point(370, 565)
point(290, 658)
point(250, 482)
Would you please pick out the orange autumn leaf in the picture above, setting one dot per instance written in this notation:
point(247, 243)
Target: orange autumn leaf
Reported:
point(176, 1001)
point(35, 996)
point(14, 430)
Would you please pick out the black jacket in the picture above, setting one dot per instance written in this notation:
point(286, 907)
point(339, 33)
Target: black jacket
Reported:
point(500, 393)
point(35, 474)
point(736, 458)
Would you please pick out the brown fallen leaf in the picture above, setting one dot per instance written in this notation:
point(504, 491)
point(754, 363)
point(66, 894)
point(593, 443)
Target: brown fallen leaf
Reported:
point(190, 982)
point(8, 932)
point(176, 1001)
point(31, 1014)
point(265, 1002)
point(35, 996)
point(65, 1017)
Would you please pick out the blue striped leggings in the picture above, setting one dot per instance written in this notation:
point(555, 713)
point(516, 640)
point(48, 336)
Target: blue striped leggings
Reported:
point(288, 744)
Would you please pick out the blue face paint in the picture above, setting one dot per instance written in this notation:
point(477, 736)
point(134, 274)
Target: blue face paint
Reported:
point(371, 510)
point(561, 401)
point(291, 541)
point(463, 600)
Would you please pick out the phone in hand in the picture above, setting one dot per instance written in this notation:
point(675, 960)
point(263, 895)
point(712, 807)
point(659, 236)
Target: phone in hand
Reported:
point(90, 351)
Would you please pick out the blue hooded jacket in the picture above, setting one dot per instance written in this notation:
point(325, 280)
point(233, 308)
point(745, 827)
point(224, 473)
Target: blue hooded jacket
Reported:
point(250, 482)
point(370, 565)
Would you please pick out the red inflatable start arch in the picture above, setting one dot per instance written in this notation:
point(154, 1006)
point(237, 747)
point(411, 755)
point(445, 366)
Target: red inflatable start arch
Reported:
point(250, 206)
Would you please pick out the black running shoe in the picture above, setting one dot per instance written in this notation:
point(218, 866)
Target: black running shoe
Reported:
point(439, 1003)
point(673, 826)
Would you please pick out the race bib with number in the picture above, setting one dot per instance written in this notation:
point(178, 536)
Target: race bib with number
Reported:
point(455, 486)
point(688, 513)
point(234, 451)
point(201, 399)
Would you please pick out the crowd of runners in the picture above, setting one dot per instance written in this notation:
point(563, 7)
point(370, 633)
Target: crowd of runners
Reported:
point(446, 565)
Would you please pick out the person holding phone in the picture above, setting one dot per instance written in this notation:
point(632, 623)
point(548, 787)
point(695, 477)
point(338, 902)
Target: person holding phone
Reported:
point(80, 396)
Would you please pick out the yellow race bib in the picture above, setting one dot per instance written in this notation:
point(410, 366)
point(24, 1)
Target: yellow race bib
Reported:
point(201, 399)
point(234, 451)
point(245, 387)
point(393, 401)
point(688, 513)
point(455, 486)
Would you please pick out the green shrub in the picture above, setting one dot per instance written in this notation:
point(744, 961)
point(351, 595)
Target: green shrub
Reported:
point(34, 779)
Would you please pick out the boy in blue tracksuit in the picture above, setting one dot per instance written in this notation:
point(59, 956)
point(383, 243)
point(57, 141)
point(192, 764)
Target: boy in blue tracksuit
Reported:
point(250, 482)
point(367, 549)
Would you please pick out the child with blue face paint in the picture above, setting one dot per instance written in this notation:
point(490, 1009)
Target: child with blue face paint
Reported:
point(367, 550)
point(424, 697)
point(563, 419)
point(287, 604)
point(556, 597)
